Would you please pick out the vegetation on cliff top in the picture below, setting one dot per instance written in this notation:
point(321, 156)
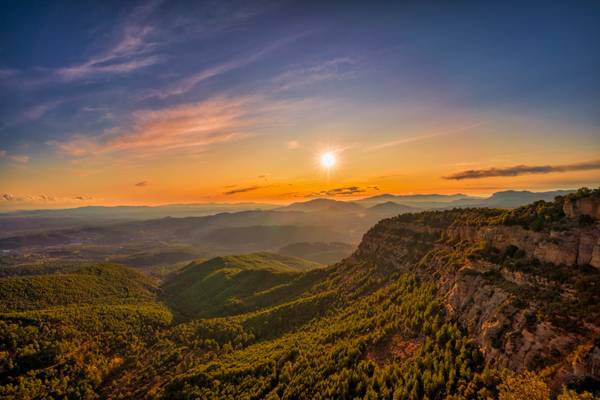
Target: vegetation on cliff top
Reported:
point(268, 326)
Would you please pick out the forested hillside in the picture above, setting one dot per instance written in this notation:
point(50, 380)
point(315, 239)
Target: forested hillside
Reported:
point(436, 305)
point(234, 284)
point(86, 285)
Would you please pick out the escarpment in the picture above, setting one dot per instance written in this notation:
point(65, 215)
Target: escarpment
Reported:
point(575, 246)
point(564, 232)
point(577, 207)
point(524, 283)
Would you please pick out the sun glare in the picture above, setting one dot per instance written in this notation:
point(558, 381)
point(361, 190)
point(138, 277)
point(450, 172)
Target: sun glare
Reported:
point(327, 160)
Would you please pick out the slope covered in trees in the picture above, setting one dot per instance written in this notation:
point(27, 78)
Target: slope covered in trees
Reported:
point(86, 285)
point(233, 284)
point(326, 253)
point(414, 313)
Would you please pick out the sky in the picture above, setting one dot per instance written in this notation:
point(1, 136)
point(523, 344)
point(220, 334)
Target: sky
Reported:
point(155, 102)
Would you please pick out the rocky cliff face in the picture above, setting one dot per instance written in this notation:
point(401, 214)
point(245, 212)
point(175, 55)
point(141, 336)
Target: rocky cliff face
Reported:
point(577, 246)
point(590, 206)
point(539, 311)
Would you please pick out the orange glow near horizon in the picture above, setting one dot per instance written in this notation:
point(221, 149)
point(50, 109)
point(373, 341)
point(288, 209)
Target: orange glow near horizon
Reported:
point(174, 156)
point(126, 113)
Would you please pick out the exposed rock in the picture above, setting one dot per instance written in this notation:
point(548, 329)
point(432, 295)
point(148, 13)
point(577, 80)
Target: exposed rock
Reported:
point(491, 302)
point(584, 206)
point(393, 348)
point(576, 246)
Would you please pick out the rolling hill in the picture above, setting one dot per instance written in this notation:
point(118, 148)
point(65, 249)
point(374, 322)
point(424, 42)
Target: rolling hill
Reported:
point(324, 253)
point(233, 284)
point(324, 206)
point(462, 303)
point(88, 285)
point(390, 209)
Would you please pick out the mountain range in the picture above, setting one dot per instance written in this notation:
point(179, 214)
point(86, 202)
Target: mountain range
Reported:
point(53, 235)
point(464, 303)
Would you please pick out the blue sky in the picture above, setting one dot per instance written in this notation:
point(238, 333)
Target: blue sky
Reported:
point(86, 81)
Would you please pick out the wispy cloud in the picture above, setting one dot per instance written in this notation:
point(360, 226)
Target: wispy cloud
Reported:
point(425, 136)
point(523, 170)
point(200, 124)
point(7, 73)
point(18, 158)
point(341, 191)
point(38, 111)
point(131, 50)
point(242, 190)
point(330, 70)
point(40, 198)
point(185, 85)
point(141, 184)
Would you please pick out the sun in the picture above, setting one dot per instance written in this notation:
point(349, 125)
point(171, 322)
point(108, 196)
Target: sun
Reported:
point(327, 160)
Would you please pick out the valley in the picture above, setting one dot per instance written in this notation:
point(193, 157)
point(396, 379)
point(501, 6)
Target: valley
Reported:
point(461, 303)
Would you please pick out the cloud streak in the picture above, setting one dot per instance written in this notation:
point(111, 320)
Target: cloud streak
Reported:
point(335, 69)
point(18, 158)
point(243, 190)
point(523, 170)
point(38, 111)
point(130, 52)
point(418, 138)
point(201, 124)
point(185, 85)
point(341, 191)
point(41, 198)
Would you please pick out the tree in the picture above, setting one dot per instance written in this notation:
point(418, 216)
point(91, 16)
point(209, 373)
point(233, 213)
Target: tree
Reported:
point(523, 386)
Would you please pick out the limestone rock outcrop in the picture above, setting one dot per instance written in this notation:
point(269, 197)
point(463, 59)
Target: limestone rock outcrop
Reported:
point(590, 206)
point(577, 246)
point(496, 305)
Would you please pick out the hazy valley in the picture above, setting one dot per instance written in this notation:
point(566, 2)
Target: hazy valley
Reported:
point(459, 302)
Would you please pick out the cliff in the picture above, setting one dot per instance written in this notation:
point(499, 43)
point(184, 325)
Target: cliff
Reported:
point(529, 298)
point(575, 246)
point(590, 206)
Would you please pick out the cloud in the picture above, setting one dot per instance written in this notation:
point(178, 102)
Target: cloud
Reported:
point(243, 190)
point(40, 198)
point(97, 67)
point(141, 184)
point(342, 191)
point(20, 199)
point(293, 144)
point(331, 70)
point(131, 51)
point(523, 170)
point(418, 138)
point(185, 85)
point(7, 73)
point(38, 111)
point(200, 124)
point(18, 158)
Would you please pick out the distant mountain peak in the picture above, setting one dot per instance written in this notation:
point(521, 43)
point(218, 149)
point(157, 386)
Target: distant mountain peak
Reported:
point(324, 204)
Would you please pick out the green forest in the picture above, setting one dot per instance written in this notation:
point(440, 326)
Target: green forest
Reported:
point(267, 326)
